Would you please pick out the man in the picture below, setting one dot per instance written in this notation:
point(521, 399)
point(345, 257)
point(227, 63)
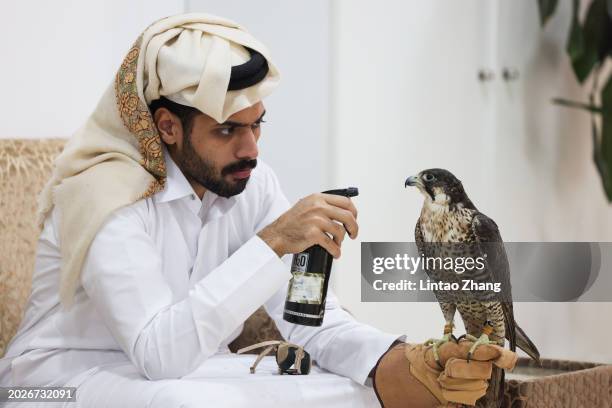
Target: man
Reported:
point(163, 233)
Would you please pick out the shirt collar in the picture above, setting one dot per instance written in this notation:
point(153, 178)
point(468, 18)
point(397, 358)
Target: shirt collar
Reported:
point(177, 187)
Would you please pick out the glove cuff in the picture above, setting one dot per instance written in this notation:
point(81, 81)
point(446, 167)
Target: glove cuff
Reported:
point(395, 384)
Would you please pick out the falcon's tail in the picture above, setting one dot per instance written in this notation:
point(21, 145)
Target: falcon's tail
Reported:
point(524, 343)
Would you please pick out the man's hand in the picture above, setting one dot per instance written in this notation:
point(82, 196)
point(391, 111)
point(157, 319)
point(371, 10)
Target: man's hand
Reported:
point(409, 374)
point(316, 219)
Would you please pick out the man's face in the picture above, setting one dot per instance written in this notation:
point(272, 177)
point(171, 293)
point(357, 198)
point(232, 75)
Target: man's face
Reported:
point(220, 157)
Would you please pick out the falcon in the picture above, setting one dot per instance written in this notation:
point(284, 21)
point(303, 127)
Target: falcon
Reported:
point(451, 227)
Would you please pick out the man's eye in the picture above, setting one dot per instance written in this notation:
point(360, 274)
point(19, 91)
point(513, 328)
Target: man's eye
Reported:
point(228, 131)
point(258, 124)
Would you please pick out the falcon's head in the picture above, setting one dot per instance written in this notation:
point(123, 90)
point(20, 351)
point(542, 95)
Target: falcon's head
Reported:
point(440, 187)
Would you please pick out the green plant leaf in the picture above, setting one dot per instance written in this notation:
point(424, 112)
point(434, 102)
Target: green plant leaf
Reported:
point(605, 47)
point(602, 154)
point(596, 26)
point(547, 9)
point(602, 146)
point(578, 105)
point(585, 45)
point(575, 41)
point(606, 97)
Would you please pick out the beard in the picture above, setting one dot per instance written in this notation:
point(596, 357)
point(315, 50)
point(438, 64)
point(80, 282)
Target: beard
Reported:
point(204, 171)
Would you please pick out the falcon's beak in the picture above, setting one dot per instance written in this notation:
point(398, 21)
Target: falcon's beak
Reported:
point(413, 181)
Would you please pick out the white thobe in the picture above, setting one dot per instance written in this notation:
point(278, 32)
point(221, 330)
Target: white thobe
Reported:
point(167, 284)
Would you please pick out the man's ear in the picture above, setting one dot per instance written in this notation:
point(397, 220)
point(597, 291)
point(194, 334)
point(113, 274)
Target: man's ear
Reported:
point(169, 126)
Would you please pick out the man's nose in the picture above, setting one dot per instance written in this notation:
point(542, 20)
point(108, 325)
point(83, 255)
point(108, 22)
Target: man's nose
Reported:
point(247, 148)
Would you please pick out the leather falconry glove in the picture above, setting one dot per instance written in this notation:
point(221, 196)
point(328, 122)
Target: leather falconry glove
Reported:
point(410, 374)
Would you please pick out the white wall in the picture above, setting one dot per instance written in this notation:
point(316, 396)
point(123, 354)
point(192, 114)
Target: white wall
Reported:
point(56, 67)
point(59, 56)
point(546, 152)
point(406, 98)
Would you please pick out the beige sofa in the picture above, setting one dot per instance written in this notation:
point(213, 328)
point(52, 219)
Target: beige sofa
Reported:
point(25, 166)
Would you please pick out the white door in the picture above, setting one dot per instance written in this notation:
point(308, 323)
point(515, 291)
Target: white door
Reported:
point(405, 97)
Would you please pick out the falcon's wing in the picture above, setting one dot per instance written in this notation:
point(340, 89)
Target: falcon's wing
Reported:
point(487, 233)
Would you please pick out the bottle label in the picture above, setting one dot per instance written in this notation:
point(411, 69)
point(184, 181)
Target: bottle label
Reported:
point(306, 287)
point(300, 262)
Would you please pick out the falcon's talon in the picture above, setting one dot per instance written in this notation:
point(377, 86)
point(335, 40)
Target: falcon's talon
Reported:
point(482, 340)
point(436, 343)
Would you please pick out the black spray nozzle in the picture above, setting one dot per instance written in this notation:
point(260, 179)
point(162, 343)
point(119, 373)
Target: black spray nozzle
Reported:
point(347, 192)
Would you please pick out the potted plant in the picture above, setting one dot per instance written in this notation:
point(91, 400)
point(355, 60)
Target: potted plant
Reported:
point(589, 47)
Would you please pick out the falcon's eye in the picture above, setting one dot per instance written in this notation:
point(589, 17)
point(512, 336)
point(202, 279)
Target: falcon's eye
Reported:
point(428, 177)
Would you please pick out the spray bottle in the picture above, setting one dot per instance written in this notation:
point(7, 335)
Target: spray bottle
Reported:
point(305, 303)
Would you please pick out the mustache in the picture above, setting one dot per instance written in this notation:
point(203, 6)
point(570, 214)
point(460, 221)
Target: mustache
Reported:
point(239, 166)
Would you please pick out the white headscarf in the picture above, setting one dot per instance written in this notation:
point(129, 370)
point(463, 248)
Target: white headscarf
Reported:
point(116, 158)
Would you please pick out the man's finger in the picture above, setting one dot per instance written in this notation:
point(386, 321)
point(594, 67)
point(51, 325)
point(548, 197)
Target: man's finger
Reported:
point(345, 217)
point(462, 391)
point(336, 230)
point(462, 384)
point(507, 360)
point(500, 356)
point(342, 202)
point(329, 244)
point(483, 352)
point(473, 370)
